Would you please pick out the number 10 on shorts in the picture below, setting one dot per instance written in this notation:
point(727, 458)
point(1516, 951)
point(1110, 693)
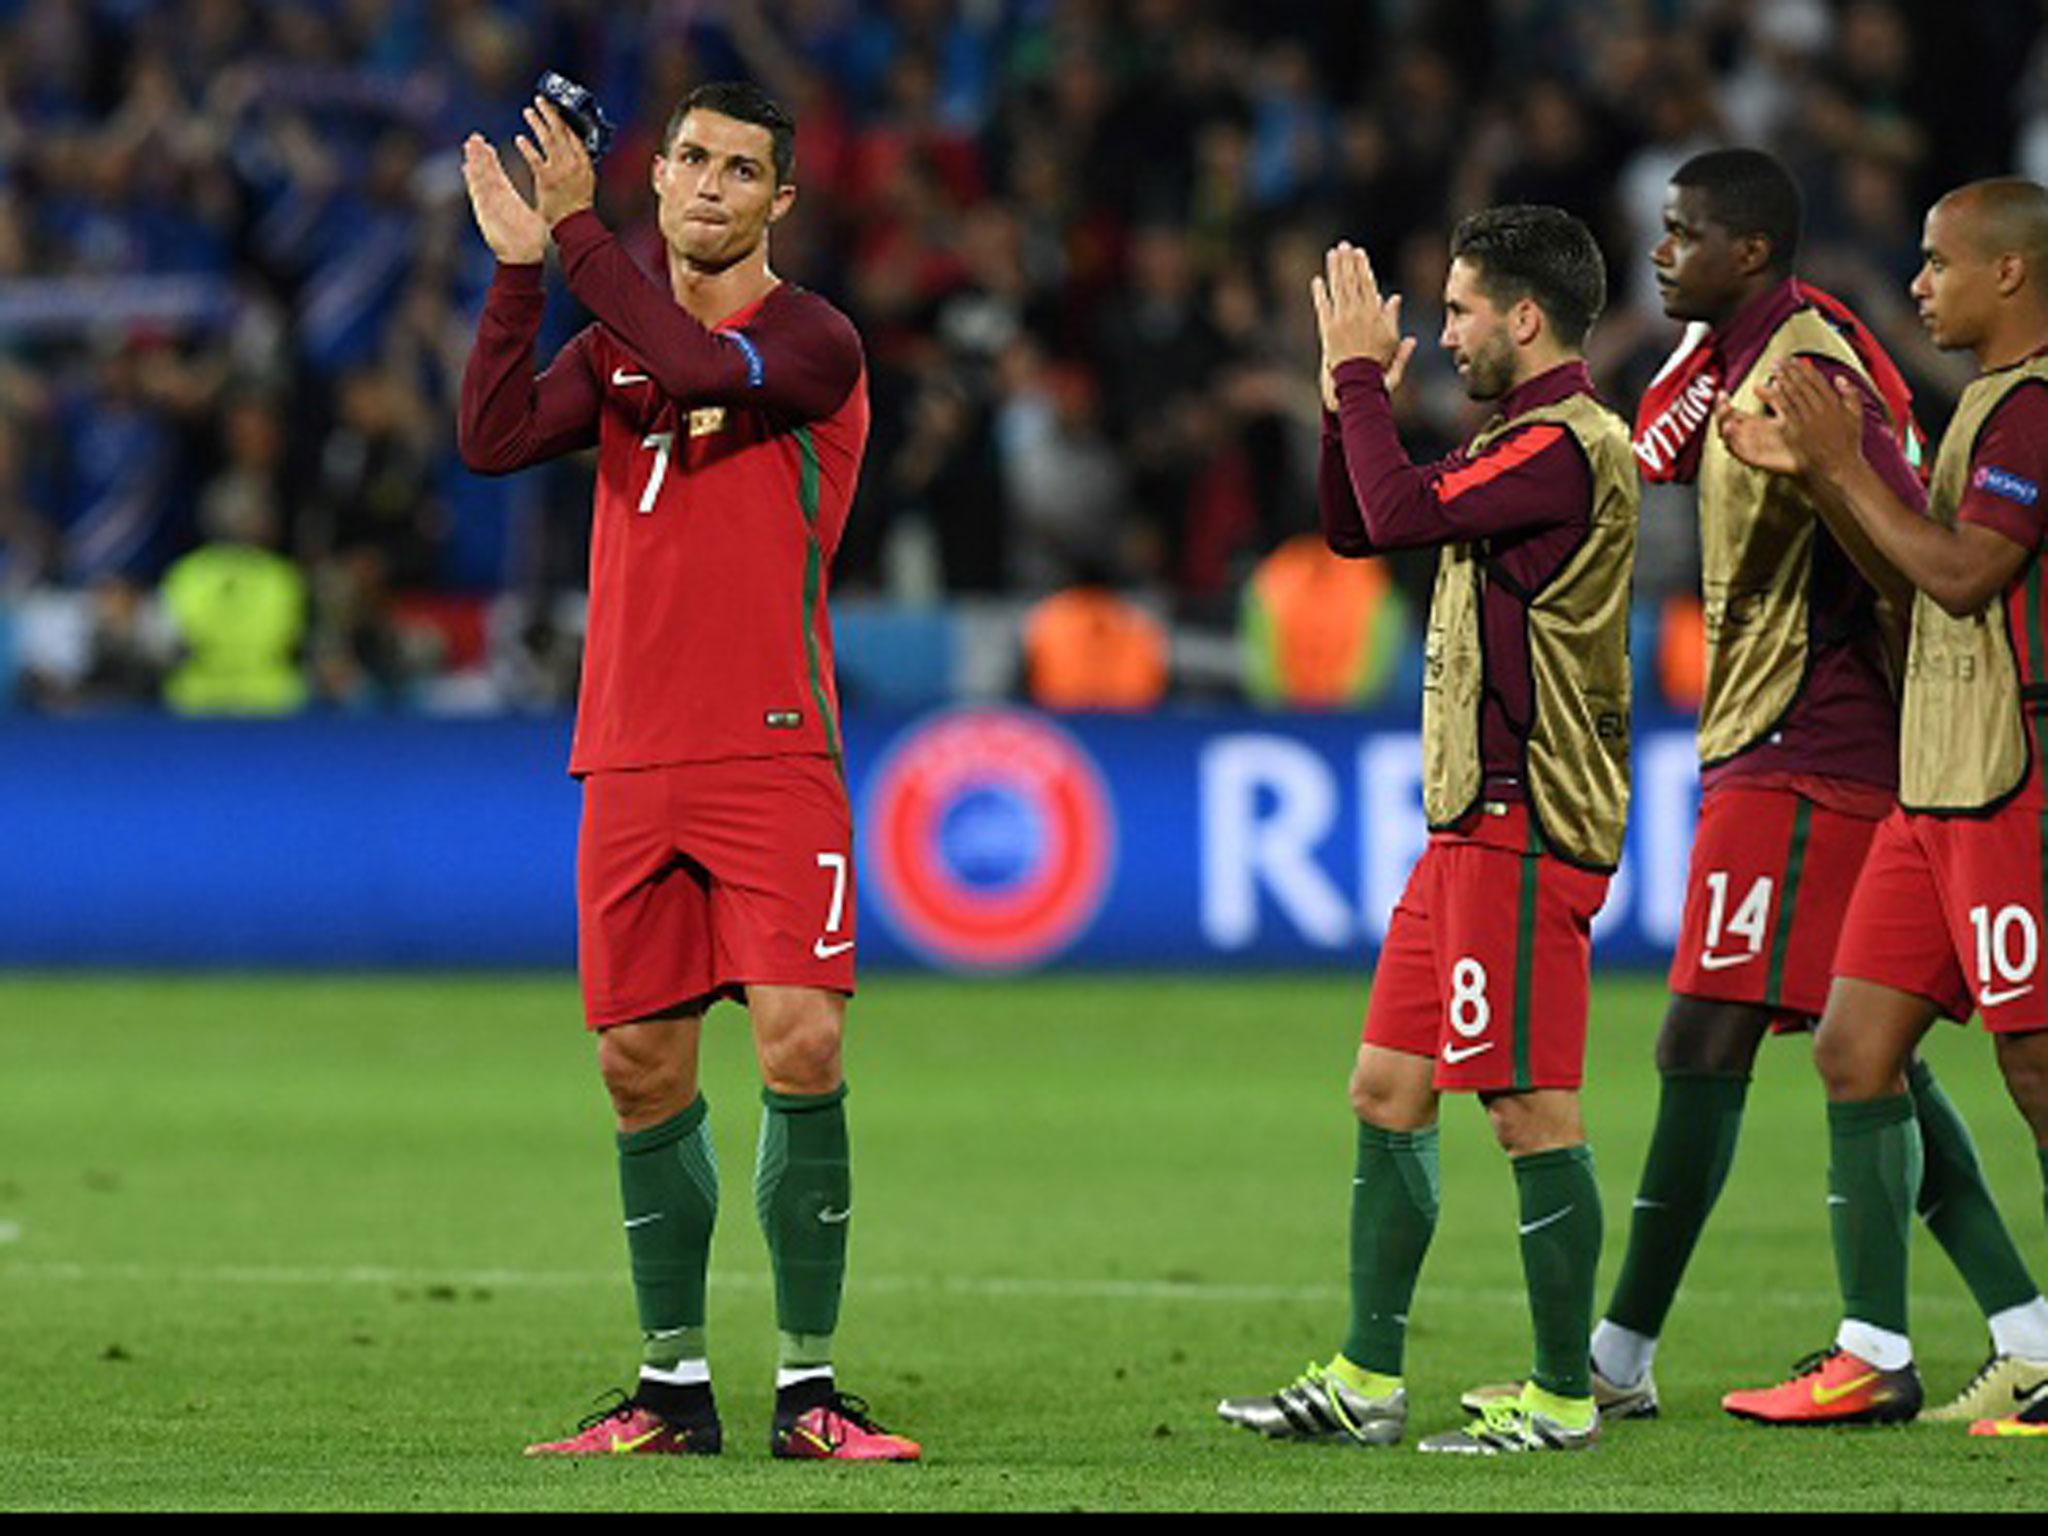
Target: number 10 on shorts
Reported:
point(2008, 949)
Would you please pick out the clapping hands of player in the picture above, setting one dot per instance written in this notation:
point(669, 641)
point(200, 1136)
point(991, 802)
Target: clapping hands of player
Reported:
point(564, 182)
point(1355, 321)
point(1814, 427)
point(515, 233)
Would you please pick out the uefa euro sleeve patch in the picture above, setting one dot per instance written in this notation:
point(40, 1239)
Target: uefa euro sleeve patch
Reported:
point(2003, 482)
point(755, 372)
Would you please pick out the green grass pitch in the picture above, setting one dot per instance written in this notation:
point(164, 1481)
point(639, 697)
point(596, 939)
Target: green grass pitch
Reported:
point(348, 1243)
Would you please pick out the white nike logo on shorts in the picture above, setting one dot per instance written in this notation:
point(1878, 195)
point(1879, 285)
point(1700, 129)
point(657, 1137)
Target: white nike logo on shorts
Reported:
point(1993, 999)
point(620, 376)
point(1722, 962)
point(1453, 1054)
point(826, 951)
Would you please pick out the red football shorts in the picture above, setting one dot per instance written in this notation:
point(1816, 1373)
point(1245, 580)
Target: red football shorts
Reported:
point(1949, 908)
point(696, 879)
point(1765, 893)
point(1486, 961)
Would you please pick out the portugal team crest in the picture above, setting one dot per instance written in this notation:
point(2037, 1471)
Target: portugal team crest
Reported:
point(989, 839)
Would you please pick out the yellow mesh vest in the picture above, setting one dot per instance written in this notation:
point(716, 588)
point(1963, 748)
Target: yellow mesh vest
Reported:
point(1577, 747)
point(1962, 732)
point(1756, 558)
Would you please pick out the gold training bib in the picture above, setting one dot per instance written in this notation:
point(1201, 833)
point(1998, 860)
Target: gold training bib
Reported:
point(1576, 746)
point(1963, 732)
point(1756, 561)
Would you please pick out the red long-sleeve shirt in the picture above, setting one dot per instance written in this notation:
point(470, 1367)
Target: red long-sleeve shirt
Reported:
point(727, 460)
point(1528, 495)
point(2008, 468)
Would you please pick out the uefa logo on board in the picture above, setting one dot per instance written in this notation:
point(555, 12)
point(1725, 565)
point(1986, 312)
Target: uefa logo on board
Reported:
point(988, 837)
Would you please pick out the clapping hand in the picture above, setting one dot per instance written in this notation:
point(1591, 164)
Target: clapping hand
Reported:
point(515, 233)
point(1754, 438)
point(1354, 321)
point(1810, 426)
point(564, 181)
point(1821, 421)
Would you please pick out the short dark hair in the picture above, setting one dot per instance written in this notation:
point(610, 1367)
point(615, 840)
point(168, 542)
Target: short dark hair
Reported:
point(748, 103)
point(1529, 252)
point(1750, 192)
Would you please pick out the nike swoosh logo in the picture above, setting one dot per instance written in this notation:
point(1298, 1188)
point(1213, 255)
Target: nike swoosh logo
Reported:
point(1541, 1222)
point(1648, 1205)
point(620, 376)
point(1993, 999)
point(2030, 1390)
point(833, 1218)
point(627, 1447)
point(641, 1221)
point(1822, 1396)
point(826, 951)
point(1838, 1199)
point(1453, 1054)
point(1722, 962)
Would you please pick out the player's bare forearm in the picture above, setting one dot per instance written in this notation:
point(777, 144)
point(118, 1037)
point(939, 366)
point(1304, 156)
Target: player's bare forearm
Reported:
point(1962, 568)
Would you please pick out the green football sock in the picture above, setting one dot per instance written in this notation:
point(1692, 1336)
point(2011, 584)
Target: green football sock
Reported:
point(1957, 1206)
point(1394, 1196)
point(668, 1187)
point(1692, 1148)
point(1560, 1229)
point(803, 1189)
point(2041, 1153)
point(1874, 1167)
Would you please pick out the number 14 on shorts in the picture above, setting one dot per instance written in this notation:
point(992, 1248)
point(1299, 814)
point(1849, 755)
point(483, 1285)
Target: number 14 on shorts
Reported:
point(1746, 924)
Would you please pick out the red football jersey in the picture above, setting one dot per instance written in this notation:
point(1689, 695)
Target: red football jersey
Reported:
point(727, 460)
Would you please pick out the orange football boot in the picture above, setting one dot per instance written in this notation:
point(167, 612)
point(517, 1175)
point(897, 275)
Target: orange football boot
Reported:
point(1832, 1387)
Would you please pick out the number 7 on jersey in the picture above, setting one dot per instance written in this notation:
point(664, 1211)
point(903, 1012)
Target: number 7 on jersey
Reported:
point(662, 443)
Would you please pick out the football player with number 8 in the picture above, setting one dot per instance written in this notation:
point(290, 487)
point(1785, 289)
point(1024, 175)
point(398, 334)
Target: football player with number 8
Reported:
point(1482, 982)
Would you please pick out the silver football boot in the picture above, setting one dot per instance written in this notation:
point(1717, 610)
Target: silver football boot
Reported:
point(1636, 1402)
point(1316, 1406)
point(1507, 1428)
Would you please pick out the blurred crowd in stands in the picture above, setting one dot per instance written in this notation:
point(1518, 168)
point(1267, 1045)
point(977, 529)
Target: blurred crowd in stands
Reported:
point(238, 278)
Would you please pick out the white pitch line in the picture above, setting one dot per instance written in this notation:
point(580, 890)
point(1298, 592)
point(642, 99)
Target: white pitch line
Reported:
point(983, 1287)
